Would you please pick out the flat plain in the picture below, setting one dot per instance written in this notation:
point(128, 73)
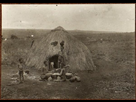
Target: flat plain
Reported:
point(113, 54)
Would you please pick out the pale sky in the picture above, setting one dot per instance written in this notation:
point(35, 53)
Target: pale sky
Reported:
point(96, 17)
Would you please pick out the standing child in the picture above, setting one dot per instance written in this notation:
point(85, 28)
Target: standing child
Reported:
point(21, 67)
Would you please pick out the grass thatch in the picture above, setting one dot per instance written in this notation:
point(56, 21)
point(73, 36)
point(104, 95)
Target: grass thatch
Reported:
point(76, 53)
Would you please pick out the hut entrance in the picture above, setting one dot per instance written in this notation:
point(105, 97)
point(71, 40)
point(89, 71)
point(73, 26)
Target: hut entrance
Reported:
point(53, 59)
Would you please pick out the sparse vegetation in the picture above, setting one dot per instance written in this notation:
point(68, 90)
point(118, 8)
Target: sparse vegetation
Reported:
point(114, 78)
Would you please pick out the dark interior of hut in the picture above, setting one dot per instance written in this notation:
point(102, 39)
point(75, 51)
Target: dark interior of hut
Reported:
point(55, 60)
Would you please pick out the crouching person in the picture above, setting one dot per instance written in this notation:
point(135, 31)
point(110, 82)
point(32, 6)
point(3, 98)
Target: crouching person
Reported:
point(46, 75)
point(43, 71)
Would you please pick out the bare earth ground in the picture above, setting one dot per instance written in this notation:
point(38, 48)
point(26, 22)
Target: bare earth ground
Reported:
point(113, 79)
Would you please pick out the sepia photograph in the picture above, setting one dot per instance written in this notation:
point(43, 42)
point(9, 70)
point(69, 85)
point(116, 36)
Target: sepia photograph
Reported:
point(68, 51)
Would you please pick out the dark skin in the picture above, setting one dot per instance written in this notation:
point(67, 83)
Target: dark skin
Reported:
point(44, 69)
point(21, 75)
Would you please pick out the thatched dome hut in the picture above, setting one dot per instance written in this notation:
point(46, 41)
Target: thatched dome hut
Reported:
point(76, 54)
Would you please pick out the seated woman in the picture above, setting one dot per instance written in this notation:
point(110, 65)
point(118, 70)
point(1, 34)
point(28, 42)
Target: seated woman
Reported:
point(44, 70)
point(45, 67)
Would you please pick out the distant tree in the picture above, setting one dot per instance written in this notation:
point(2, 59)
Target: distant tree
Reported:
point(13, 37)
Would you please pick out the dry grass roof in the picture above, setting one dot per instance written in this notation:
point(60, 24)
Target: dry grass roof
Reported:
point(76, 53)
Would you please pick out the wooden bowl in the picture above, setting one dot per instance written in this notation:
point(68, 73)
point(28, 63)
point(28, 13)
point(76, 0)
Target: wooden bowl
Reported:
point(72, 79)
point(68, 75)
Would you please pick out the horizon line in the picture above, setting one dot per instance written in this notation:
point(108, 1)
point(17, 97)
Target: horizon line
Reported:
point(69, 30)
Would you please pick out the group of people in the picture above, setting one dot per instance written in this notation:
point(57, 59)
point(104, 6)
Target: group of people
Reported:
point(56, 74)
point(59, 75)
point(49, 72)
point(46, 74)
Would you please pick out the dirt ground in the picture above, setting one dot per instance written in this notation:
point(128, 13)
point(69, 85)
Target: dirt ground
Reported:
point(113, 79)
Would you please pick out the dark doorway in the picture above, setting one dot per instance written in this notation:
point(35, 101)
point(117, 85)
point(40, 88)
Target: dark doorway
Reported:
point(55, 60)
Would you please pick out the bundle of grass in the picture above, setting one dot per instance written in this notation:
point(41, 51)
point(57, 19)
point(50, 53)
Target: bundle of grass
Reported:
point(76, 54)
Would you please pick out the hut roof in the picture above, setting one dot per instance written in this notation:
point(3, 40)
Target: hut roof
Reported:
point(76, 53)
